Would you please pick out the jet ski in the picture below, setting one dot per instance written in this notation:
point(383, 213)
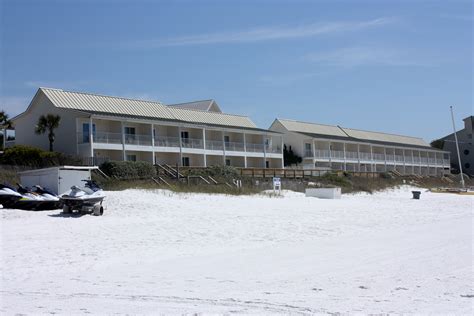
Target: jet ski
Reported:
point(87, 199)
point(50, 200)
point(36, 199)
point(8, 196)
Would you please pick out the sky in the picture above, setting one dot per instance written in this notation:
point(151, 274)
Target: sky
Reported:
point(388, 66)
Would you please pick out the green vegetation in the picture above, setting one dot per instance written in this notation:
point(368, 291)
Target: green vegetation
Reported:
point(129, 169)
point(33, 157)
point(437, 143)
point(48, 123)
point(289, 157)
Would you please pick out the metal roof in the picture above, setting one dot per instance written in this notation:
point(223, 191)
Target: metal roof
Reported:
point(214, 118)
point(117, 106)
point(204, 105)
point(99, 103)
point(349, 133)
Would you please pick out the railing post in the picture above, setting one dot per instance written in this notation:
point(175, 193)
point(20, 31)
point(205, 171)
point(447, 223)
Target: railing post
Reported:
point(180, 146)
point(344, 153)
point(122, 134)
point(153, 143)
point(204, 146)
point(91, 137)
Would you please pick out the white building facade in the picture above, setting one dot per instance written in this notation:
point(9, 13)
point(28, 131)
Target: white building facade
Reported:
point(104, 127)
point(327, 147)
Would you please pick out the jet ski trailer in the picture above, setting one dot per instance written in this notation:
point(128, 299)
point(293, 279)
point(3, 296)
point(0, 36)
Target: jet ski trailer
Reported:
point(85, 200)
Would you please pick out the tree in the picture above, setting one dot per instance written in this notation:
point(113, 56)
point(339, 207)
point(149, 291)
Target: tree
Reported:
point(289, 157)
point(437, 143)
point(5, 124)
point(48, 124)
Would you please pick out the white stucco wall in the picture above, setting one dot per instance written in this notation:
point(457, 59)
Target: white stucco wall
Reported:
point(65, 134)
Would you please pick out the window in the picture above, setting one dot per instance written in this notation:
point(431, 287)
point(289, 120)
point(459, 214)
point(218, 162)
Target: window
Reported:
point(129, 130)
point(184, 135)
point(185, 161)
point(467, 165)
point(307, 146)
point(85, 132)
point(267, 164)
point(131, 157)
point(227, 162)
point(466, 152)
point(227, 139)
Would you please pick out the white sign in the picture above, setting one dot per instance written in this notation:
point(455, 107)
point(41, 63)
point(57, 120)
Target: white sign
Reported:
point(276, 185)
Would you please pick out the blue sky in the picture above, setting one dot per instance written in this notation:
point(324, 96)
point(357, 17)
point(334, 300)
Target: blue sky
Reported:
point(391, 66)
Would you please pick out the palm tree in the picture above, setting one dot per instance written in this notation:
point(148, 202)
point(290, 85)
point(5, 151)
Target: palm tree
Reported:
point(5, 124)
point(48, 123)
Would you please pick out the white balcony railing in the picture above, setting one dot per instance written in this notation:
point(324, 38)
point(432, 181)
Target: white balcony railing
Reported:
point(214, 144)
point(336, 154)
point(139, 140)
point(192, 143)
point(166, 141)
point(258, 148)
point(232, 146)
point(321, 153)
point(352, 155)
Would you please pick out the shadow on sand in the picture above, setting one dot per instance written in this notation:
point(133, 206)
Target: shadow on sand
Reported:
point(70, 215)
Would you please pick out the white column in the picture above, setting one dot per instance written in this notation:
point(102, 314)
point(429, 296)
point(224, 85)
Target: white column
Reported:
point(372, 161)
point(180, 147)
point(223, 148)
point(313, 144)
point(419, 157)
point(91, 137)
point(344, 151)
point(245, 150)
point(124, 157)
point(77, 137)
point(412, 162)
point(330, 159)
point(358, 157)
point(153, 143)
point(385, 157)
point(264, 152)
point(281, 148)
point(204, 146)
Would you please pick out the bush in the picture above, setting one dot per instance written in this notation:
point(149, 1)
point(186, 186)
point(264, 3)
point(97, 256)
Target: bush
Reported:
point(228, 172)
point(29, 156)
point(128, 169)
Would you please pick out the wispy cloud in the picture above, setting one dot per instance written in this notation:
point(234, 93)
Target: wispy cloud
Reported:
point(264, 33)
point(285, 79)
point(365, 56)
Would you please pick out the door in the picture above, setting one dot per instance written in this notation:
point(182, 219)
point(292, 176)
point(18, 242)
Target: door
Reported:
point(85, 132)
point(129, 134)
point(185, 161)
point(185, 138)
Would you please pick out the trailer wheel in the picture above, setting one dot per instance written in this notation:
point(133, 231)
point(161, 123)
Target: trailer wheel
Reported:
point(98, 210)
point(66, 209)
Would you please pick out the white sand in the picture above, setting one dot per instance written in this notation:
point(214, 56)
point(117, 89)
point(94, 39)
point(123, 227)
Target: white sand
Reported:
point(154, 251)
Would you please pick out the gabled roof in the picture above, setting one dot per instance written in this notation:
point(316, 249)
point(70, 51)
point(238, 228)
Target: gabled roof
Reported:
point(94, 103)
point(204, 105)
point(338, 132)
point(124, 107)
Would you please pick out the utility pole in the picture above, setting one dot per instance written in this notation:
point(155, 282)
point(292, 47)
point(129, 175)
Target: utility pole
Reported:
point(457, 148)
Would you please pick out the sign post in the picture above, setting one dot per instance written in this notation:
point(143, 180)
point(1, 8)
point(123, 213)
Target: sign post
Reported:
point(276, 185)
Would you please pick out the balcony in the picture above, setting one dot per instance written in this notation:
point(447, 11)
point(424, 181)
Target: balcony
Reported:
point(166, 141)
point(232, 146)
point(214, 145)
point(256, 148)
point(192, 143)
point(138, 140)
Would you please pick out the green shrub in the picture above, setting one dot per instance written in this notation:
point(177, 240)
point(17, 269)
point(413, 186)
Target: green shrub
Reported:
point(216, 171)
point(128, 169)
point(29, 156)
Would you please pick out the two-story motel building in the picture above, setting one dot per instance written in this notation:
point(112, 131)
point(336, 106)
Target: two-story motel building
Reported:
point(338, 148)
point(189, 134)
